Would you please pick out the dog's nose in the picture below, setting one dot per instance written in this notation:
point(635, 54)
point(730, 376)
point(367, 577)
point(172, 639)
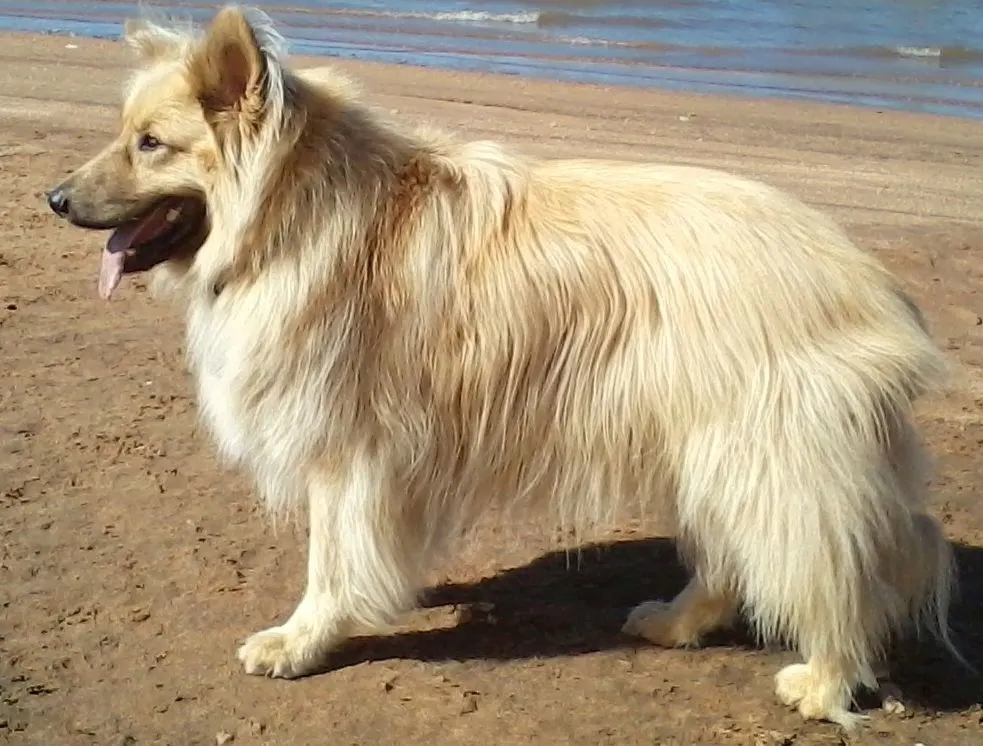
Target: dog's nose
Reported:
point(58, 201)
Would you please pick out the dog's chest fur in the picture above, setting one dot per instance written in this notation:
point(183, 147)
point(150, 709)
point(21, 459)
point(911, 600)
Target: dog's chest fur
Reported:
point(219, 360)
point(267, 410)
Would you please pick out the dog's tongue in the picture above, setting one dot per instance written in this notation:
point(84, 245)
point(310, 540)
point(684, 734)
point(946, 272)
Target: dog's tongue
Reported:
point(110, 272)
point(126, 238)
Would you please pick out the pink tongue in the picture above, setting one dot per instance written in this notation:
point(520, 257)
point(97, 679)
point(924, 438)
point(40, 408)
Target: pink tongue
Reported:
point(126, 238)
point(110, 272)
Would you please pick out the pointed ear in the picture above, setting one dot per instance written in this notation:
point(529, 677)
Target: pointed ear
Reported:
point(228, 67)
point(151, 42)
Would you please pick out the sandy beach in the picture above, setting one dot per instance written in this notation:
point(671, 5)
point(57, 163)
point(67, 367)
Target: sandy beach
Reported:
point(130, 568)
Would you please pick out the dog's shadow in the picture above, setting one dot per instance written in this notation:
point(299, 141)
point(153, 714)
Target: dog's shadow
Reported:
point(564, 604)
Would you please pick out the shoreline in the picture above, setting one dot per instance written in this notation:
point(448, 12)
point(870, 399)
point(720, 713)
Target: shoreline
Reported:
point(49, 46)
point(865, 81)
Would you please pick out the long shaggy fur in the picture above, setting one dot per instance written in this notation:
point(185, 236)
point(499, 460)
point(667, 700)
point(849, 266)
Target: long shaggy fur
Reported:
point(401, 331)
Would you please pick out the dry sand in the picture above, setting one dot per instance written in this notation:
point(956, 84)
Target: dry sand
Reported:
point(130, 566)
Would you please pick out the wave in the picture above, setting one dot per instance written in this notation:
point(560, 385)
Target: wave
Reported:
point(478, 16)
point(941, 54)
point(541, 19)
point(455, 16)
point(918, 51)
point(946, 54)
point(563, 19)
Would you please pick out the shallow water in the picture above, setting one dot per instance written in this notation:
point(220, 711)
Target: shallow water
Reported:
point(920, 55)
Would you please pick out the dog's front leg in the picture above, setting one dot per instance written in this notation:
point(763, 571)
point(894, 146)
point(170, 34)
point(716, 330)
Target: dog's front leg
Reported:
point(360, 570)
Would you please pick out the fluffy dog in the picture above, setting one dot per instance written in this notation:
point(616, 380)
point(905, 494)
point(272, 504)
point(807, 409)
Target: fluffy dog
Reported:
point(401, 331)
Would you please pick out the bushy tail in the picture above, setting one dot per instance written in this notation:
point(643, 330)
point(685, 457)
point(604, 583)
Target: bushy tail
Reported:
point(934, 585)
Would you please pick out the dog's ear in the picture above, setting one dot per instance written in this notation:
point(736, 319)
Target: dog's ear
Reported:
point(149, 41)
point(228, 68)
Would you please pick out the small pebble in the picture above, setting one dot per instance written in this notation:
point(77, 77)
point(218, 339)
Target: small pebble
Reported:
point(480, 613)
point(255, 726)
point(470, 703)
point(893, 706)
point(223, 737)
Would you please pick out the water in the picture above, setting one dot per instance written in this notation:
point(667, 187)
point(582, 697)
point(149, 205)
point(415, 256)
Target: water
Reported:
point(921, 55)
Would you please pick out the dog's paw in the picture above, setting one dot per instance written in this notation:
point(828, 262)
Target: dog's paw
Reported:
point(281, 652)
point(796, 686)
point(792, 684)
point(655, 621)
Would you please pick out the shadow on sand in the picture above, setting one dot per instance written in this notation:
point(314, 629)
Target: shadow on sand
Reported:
point(564, 604)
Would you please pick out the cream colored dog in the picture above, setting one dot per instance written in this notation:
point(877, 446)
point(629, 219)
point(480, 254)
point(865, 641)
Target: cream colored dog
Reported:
point(401, 331)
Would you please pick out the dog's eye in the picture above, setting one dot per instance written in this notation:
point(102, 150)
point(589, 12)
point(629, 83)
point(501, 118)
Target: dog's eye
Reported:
point(148, 143)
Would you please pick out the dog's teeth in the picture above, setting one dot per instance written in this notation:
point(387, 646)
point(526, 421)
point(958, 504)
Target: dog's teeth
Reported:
point(173, 214)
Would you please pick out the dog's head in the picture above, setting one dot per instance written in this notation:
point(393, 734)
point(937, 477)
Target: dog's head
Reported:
point(190, 110)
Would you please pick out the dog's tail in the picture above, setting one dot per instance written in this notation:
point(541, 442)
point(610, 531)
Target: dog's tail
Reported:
point(931, 581)
point(828, 474)
point(932, 585)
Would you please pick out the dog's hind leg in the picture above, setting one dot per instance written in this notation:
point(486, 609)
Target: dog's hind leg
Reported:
point(684, 620)
point(905, 582)
point(803, 529)
point(822, 591)
point(874, 564)
point(359, 572)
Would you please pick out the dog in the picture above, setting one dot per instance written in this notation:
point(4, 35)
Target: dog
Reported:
point(399, 331)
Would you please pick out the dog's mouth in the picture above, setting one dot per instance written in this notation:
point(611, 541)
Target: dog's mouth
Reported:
point(174, 226)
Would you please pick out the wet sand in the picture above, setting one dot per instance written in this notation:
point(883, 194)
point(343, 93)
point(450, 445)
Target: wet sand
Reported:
point(130, 565)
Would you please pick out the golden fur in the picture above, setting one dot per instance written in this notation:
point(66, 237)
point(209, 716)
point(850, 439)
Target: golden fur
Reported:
point(400, 331)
